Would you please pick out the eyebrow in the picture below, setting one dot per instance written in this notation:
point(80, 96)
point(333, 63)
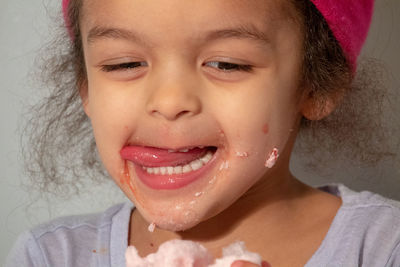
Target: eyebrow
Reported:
point(244, 31)
point(99, 32)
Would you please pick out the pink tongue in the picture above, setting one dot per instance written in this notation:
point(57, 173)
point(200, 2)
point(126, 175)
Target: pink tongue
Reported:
point(157, 157)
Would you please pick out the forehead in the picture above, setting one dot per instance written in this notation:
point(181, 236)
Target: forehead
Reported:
point(184, 16)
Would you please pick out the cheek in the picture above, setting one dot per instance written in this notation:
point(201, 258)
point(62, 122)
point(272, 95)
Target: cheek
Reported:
point(113, 120)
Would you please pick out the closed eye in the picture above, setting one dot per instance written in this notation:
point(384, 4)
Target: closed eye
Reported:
point(123, 66)
point(228, 67)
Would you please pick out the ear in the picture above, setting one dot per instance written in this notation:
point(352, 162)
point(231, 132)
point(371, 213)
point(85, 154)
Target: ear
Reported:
point(84, 94)
point(318, 106)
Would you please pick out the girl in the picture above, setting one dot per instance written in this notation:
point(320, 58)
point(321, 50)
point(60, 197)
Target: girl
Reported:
point(195, 107)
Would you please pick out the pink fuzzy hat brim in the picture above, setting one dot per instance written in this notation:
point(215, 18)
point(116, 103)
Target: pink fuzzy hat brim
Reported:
point(349, 21)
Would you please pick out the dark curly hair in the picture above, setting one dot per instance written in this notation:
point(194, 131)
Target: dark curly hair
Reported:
point(61, 154)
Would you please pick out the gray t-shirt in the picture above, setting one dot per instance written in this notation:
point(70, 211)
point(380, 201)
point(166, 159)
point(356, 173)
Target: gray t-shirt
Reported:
point(365, 232)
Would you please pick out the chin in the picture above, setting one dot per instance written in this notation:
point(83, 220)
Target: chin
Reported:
point(173, 220)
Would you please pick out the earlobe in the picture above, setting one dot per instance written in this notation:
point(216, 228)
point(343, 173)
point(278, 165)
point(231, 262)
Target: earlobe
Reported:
point(84, 94)
point(316, 107)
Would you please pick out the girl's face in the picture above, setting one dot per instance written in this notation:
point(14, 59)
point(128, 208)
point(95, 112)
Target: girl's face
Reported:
point(217, 78)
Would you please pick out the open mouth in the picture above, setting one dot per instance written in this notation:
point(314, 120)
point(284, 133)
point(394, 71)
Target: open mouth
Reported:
point(192, 162)
point(161, 168)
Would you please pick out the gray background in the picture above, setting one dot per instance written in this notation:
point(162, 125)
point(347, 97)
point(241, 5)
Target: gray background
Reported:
point(24, 26)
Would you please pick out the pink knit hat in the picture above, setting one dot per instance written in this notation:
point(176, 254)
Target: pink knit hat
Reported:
point(349, 21)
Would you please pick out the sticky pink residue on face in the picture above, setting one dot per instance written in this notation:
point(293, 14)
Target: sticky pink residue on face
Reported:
point(273, 157)
point(151, 227)
point(265, 128)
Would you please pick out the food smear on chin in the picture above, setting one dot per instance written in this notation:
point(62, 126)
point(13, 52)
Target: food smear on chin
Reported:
point(151, 227)
point(198, 194)
point(212, 180)
point(273, 157)
point(184, 253)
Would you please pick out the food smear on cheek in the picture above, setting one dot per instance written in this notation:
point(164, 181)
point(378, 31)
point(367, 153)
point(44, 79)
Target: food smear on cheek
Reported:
point(128, 178)
point(242, 154)
point(224, 165)
point(198, 194)
point(272, 158)
point(265, 128)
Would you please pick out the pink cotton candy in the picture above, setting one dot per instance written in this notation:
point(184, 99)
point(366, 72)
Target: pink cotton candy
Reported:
point(179, 253)
point(234, 252)
point(182, 253)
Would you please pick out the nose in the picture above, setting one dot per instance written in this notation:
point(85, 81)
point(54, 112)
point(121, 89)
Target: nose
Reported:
point(173, 99)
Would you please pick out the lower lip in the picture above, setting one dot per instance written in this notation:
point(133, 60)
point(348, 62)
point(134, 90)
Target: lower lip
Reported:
point(174, 181)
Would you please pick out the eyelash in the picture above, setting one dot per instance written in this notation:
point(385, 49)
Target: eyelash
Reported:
point(229, 67)
point(123, 66)
point(226, 66)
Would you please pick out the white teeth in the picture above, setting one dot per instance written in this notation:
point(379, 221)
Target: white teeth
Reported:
point(178, 169)
point(206, 158)
point(196, 164)
point(186, 168)
point(184, 150)
point(191, 166)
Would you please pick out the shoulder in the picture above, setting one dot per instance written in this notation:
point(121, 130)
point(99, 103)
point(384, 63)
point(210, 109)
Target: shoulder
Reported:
point(77, 223)
point(66, 239)
point(366, 228)
point(364, 203)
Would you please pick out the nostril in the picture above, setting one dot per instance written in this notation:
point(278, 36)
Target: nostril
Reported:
point(172, 115)
point(182, 113)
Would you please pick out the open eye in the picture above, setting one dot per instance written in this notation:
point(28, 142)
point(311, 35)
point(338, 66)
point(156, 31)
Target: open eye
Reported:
point(228, 67)
point(123, 66)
